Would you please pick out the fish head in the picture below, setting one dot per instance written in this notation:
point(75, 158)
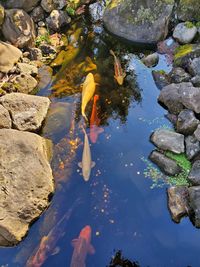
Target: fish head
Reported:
point(90, 77)
point(86, 233)
point(120, 79)
point(96, 97)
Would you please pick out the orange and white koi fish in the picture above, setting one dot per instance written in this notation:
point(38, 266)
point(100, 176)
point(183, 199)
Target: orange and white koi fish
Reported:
point(88, 90)
point(82, 246)
point(47, 244)
point(119, 74)
point(86, 164)
point(95, 130)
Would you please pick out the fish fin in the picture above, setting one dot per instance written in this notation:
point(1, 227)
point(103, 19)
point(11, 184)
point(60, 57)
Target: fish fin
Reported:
point(93, 164)
point(84, 116)
point(97, 84)
point(91, 249)
point(80, 165)
point(124, 75)
point(100, 130)
point(115, 77)
point(55, 251)
point(112, 53)
point(74, 242)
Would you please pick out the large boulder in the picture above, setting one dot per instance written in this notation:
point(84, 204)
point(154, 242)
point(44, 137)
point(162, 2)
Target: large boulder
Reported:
point(168, 140)
point(27, 111)
point(26, 183)
point(18, 28)
point(9, 55)
point(143, 22)
point(188, 10)
point(21, 4)
point(176, 97)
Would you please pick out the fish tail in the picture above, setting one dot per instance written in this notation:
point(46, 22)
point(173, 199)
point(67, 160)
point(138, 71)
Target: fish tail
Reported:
point(112, 53)
point(84, 116)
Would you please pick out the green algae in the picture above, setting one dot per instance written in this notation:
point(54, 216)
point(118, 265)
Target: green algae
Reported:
point(182, 51)
point(181, 160)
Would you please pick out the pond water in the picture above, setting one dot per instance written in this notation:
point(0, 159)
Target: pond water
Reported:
point(117, 202)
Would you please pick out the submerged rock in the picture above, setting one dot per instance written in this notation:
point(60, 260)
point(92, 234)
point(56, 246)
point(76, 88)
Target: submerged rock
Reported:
point(21, 4)
point(167, 165)
point(140, 22)
point(161, 79)
point(184, 34)
point(187, 122)
point(178, 202)
point(26, 182)
point(192, 146)
point(168, 140)
point(194, 198)
point(18, 28)
point(194, 175)
point(151, 60)
point(27, 111)
point(9, 55)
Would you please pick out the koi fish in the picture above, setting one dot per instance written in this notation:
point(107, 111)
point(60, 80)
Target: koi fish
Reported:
point(94, 122)
point(89, 86)
point(87, 162)
point(82, 247)
point(119, 74)
point(47, 244)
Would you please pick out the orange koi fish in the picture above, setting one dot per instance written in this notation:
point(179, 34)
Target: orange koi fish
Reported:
point(47, 244)
point(82, 247)
point(94, 122)
point(119, 74)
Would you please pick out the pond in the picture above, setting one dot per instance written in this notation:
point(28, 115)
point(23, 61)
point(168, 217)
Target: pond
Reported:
point(117, 202)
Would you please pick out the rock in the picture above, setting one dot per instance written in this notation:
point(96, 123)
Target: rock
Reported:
point(2, 14)
point(151, 60)
point(47, 5)
point(60, 4)
point(9, 55)
point(166, 165)
point(45, 74)
point(177, 96)
point(168, 140)
point(22, 4)
point(58, 19)
point(5, 120)
point(18, 28)
point(27, 69)
point(178, 202)
point(26, 180)
point(143, 22)
point(192, 146)
point(172, 118)
point(187, 122)
point(183, 33)
point(194, 66)
point(194, 198)
point(24, 83)
point(196, 81)
point(188, 10)
point(47, 49)
point(184, 53)
point(37, 14)
point(197, 133)
point(96, 12)
point(179, 75)
point(194, 175)
point(167, 47)
point(35, 54)
point(161, 78)
point(27, 111)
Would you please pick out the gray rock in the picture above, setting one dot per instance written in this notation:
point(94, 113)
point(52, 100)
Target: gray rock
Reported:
point(9, 55)
point(18, 28)
point(187, 122)
point(172, 118)
point(194, 198)
point(188, 10)
point(27, 111)
point(47, 5)
point(22, 4)
point(161, 79)
point(151, 60)
point(60, 4)
point(194, 175)
point(57, 19)
point(184, 34)
point(179, 75)
point(178, 202)
point(185, 53)
point(168, 140)
point(177, 96)
point(5, 120)
point(37, 14)
point(35, 54)
point(96, 11)
point(192, 146)
point(26, 183)
point(24, 83)
point(194, 66)
point(47, 49)
point(196, 81)
point(166, 165)
point(143, 22)
point(197, 133)
point(27, 69)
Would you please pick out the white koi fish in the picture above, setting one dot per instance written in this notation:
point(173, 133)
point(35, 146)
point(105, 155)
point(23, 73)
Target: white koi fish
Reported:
point(87, 162)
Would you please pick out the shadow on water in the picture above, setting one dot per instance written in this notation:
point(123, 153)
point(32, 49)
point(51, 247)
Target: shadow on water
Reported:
point(117, 202)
